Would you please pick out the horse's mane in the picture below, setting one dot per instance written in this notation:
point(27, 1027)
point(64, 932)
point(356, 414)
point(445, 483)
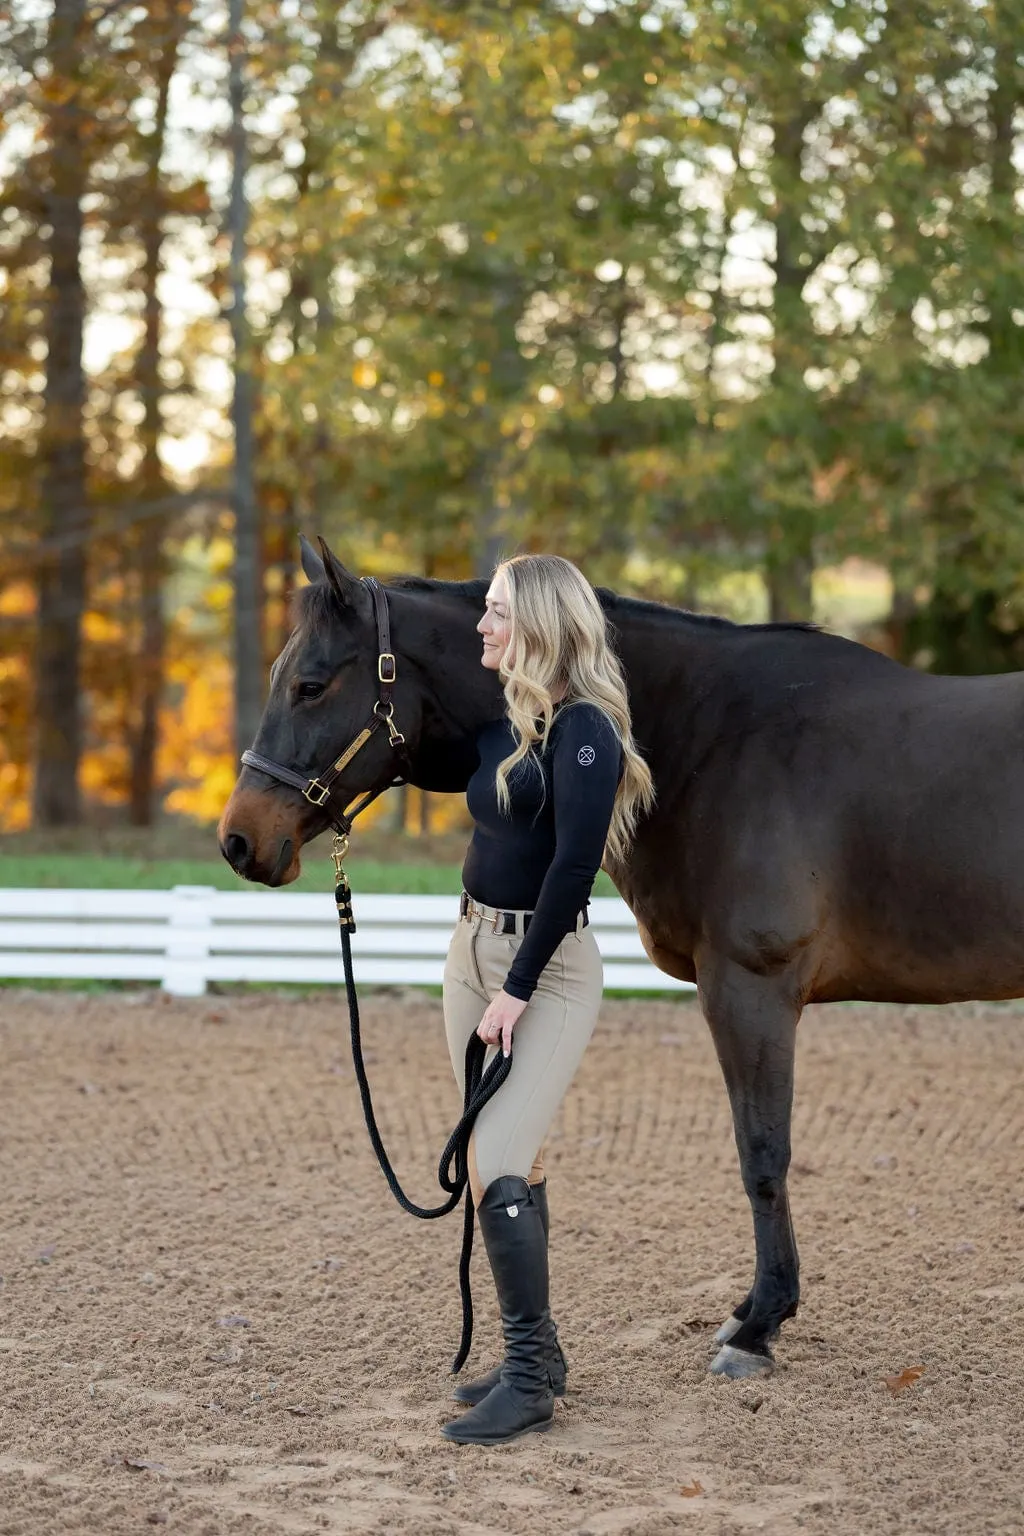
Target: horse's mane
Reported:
point(317, 608)
point(614, 604)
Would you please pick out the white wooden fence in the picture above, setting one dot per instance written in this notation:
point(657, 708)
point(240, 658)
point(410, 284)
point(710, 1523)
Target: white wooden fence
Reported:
point(189, 936)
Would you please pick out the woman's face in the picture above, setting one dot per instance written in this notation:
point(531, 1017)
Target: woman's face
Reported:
point(495, 626)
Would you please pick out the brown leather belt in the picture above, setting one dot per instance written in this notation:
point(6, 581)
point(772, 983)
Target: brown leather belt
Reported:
point(504, 923)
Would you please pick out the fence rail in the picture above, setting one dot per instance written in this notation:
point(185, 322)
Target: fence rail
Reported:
point(192, 935)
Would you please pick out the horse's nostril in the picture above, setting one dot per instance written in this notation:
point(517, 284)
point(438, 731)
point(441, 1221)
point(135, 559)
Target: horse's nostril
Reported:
point(237, 849)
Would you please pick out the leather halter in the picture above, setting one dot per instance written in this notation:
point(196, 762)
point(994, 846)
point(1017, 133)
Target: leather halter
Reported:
point(319, 788)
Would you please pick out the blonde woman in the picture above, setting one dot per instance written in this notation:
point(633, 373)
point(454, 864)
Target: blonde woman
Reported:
point(559, 782)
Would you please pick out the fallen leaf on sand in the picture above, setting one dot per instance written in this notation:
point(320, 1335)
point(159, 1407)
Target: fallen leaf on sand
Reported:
point(225, 1356)
point(234, 1321)
point(692, 1490)
point(144, 1466)
point(906, 1378)
point(299, 1412)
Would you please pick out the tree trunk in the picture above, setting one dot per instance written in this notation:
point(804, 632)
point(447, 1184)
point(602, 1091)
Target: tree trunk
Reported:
point(64, 513)
point(789, 564)
point(1003, 296)
point(172, 20)
point(789, 574)
point(248, 648)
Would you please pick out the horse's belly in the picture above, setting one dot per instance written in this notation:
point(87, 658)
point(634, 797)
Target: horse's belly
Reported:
point(927, 952)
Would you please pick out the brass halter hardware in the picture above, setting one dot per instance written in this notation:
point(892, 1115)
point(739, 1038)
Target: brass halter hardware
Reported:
point(318, 788)
point(339, 849)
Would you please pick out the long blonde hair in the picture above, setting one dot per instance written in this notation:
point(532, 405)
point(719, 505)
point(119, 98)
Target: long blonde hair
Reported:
point(558, 642)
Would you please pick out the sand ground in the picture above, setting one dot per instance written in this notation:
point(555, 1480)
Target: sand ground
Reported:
point(213, 1318)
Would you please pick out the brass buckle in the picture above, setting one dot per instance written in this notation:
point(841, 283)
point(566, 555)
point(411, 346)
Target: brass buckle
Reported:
point(317, 793)
point(389, 658)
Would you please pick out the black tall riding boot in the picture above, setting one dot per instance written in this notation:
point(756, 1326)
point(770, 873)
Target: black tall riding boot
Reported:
point(517, 1249)
point(476, 1391)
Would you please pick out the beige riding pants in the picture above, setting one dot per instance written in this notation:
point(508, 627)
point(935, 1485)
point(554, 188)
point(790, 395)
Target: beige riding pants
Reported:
point(548, 1042)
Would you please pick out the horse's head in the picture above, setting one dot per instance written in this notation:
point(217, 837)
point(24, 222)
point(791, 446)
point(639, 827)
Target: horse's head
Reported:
point(324, 689)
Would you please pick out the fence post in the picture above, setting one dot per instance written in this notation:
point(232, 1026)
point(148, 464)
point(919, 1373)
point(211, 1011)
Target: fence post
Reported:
point(188, 940)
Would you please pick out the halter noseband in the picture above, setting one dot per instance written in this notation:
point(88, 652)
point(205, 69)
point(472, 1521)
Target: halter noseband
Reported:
point(320, 787)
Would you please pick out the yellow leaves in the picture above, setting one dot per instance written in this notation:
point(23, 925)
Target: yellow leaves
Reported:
point(219, 596)
point(196, 751)
point(103, 773)
point(364, 375)
point(18, 600)
point(219, 554)
point(15, 811)
point(491, 236)
point(493, 56)
point(478, 395)
point(435, 378)
point(905, 1379)
point(100, 628)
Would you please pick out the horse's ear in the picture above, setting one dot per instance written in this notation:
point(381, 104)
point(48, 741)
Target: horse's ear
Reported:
point(344, 585)
point(312, 565)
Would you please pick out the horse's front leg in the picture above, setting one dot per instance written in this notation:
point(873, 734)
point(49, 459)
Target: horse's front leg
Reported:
point(753, 1023)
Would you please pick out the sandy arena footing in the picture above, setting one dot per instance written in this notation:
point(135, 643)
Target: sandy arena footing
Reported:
point(214, 1319)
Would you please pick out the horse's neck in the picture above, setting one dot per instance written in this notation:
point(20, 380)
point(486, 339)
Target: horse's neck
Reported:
point(660, 659)
point(438, 632)
point(662, 662)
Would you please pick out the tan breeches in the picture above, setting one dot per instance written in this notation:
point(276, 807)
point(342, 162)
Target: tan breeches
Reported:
point(548, 1043)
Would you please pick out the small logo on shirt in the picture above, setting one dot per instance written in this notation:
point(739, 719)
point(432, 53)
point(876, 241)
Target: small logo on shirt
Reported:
point(585, 756)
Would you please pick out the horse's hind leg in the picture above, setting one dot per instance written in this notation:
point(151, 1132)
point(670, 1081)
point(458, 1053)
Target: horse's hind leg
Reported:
point(753, 1023)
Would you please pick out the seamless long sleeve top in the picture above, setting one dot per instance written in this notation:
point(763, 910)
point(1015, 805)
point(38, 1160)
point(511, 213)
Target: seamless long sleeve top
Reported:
point(543, 855)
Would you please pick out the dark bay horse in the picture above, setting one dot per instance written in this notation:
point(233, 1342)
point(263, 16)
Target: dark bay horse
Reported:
point(829, 825)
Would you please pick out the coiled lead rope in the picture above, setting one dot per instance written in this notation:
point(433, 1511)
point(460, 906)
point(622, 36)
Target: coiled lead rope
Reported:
point(481, 1086)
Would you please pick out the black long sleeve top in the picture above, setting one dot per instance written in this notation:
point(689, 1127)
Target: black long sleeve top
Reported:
point(543, 855)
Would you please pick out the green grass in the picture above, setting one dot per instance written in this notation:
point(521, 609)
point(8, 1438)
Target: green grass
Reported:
point(119, 872)
point(113, 872)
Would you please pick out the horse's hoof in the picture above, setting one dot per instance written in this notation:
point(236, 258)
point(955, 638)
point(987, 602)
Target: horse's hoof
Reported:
point(729, 1327)
point(739, 1363)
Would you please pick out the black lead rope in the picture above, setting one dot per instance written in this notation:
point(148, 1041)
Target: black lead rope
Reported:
point(481, 1086)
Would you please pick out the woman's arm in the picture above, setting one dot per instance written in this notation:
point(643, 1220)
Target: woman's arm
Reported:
point(585, 767)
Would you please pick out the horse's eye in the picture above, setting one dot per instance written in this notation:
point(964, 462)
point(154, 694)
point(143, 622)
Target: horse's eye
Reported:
point(310, 690)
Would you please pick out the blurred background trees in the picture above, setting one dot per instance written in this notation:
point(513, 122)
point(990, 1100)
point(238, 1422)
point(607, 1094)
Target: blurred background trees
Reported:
point(721, 299)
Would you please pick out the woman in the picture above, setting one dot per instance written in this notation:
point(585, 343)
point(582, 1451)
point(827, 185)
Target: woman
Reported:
point(559, 783)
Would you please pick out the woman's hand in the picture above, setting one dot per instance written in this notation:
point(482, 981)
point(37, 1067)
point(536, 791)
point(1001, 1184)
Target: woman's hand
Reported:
point(500, 1020)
